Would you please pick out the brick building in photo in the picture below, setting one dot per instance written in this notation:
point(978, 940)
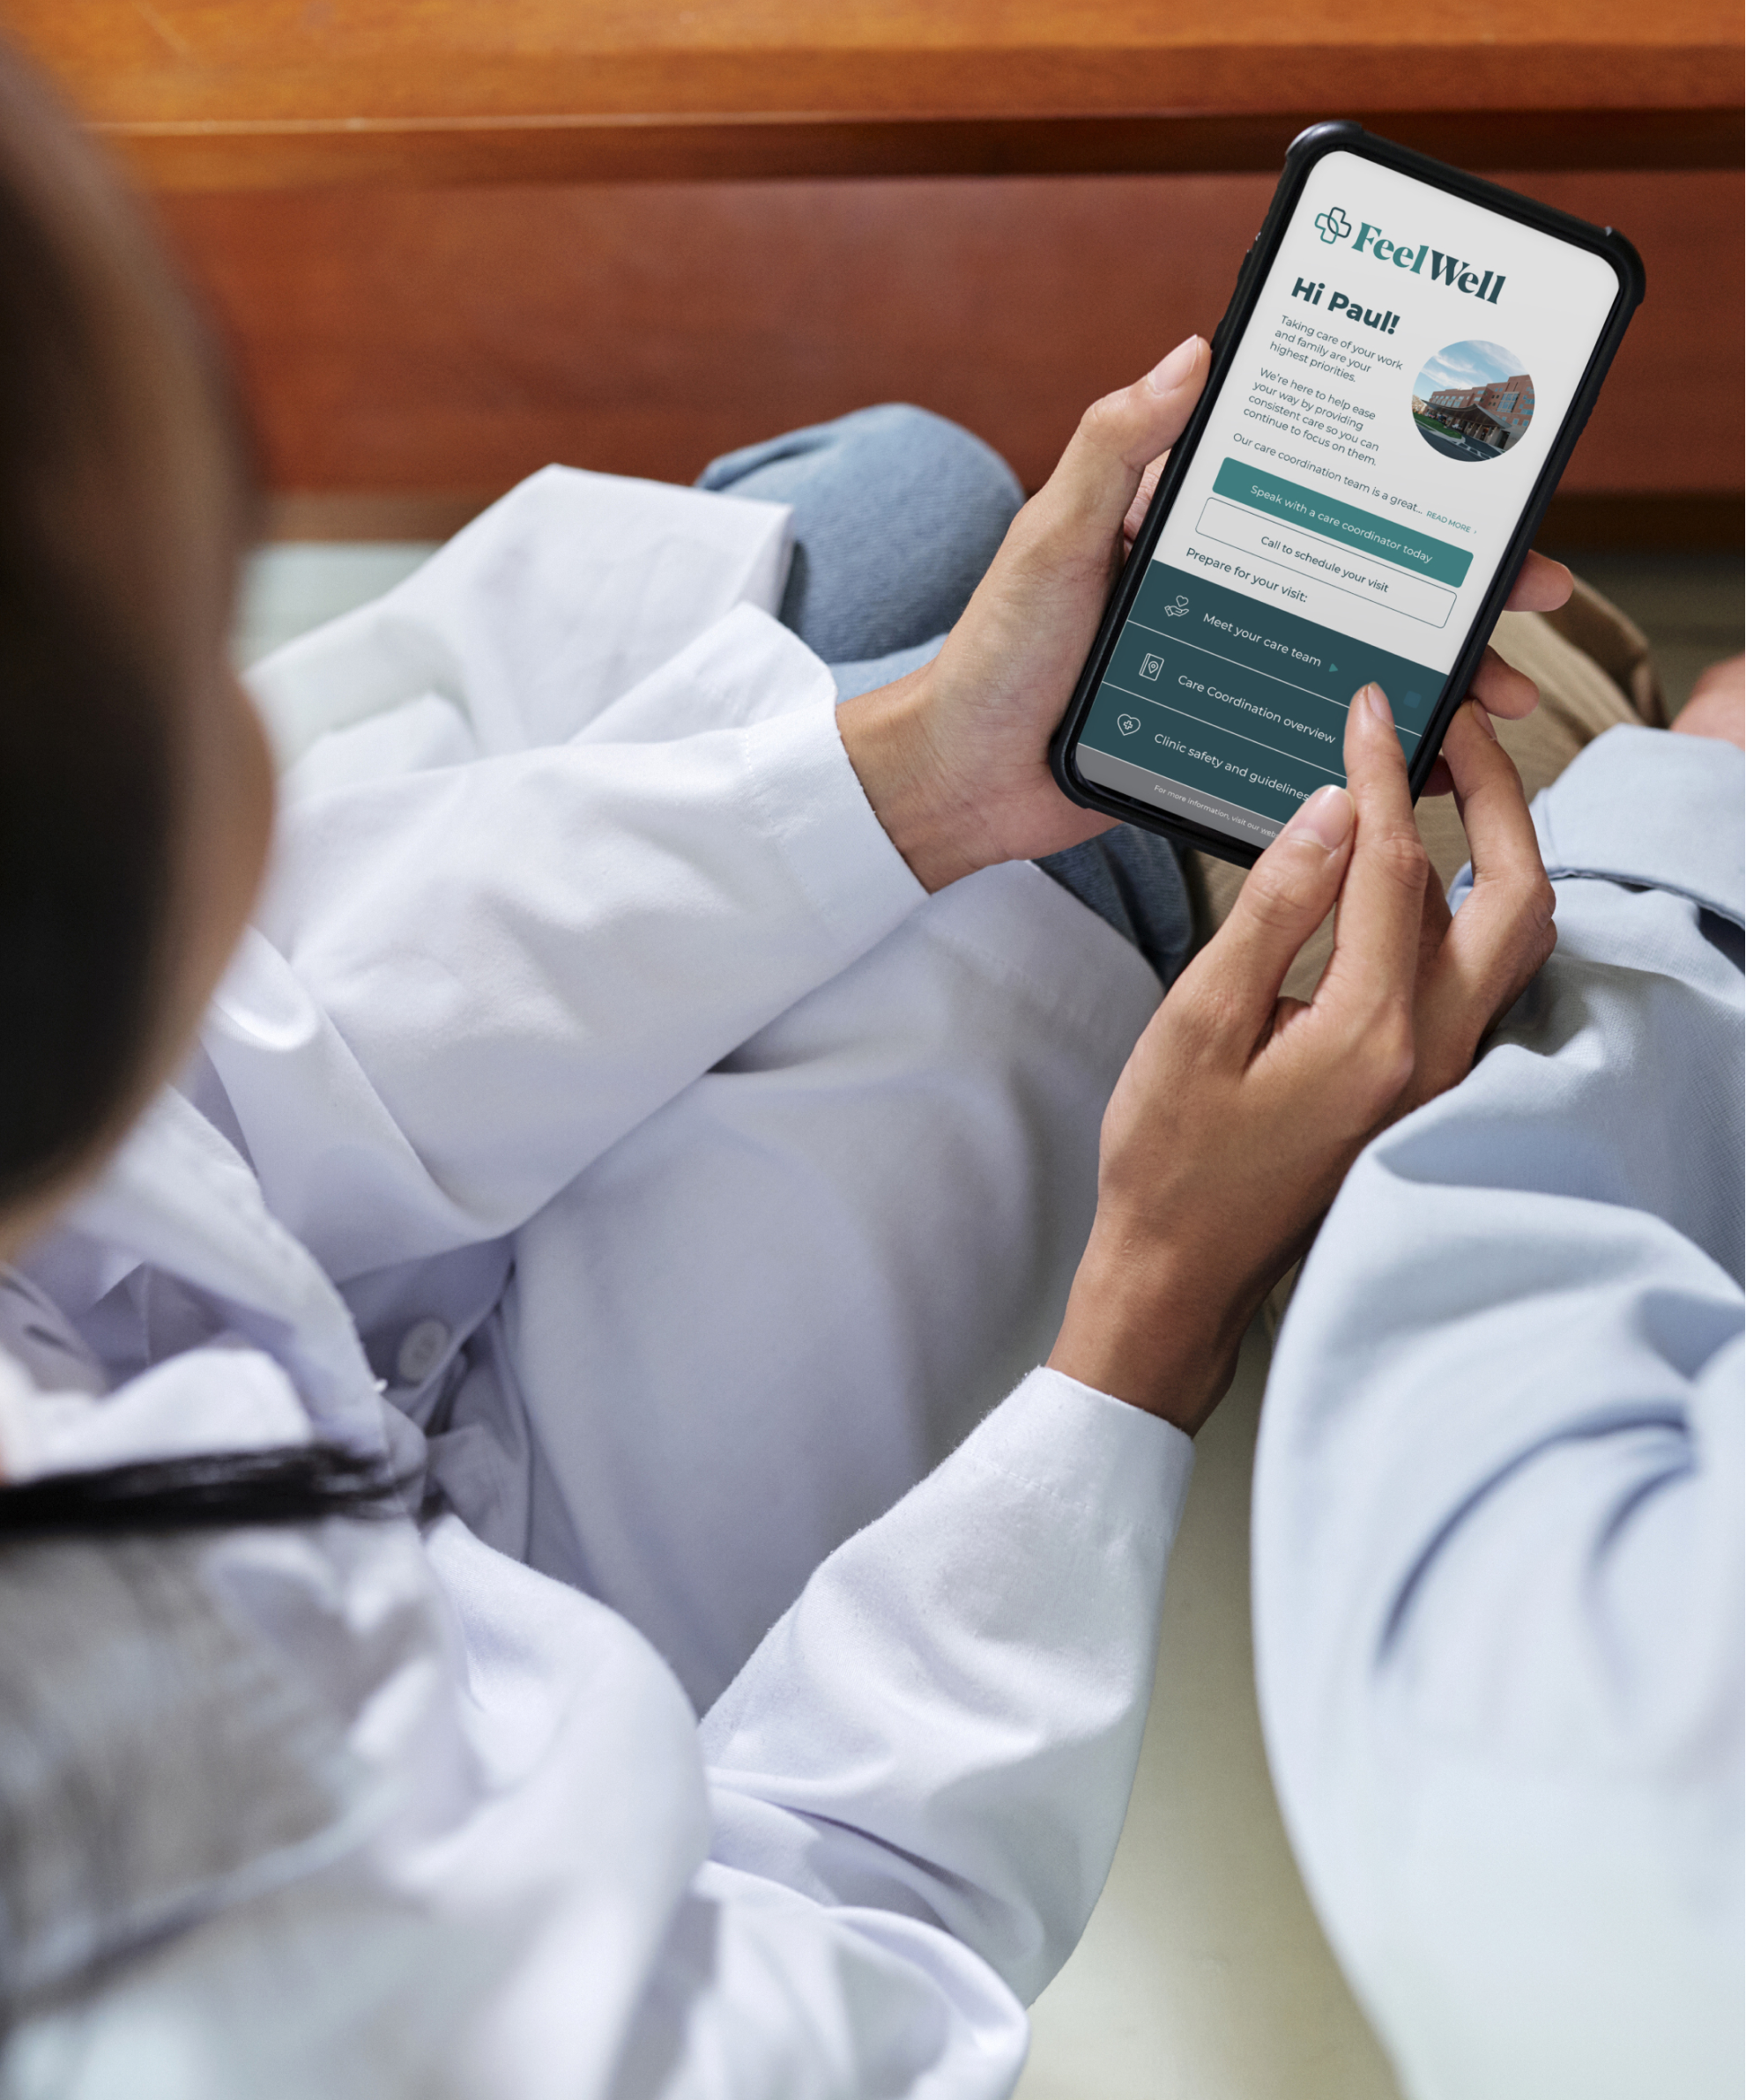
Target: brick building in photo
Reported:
point(1494, 415)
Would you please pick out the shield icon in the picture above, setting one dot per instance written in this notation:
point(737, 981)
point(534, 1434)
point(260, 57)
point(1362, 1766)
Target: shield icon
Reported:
point(1128, 724)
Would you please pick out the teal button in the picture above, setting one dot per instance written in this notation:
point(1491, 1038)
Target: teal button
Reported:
point(1345, 523)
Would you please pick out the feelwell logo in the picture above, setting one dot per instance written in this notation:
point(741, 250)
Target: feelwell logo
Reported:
point(1332, 225)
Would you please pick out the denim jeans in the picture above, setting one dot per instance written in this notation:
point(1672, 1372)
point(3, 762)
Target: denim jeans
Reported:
point(897, 512)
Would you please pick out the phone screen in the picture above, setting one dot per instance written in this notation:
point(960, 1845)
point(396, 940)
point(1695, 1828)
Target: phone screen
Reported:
point(1408, 364)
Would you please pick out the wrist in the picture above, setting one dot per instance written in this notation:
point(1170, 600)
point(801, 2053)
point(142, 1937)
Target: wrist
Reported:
point(1139, 1327)
point(889, 736)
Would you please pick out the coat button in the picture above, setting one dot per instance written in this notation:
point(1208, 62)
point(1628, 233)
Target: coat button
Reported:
point(422, 1347)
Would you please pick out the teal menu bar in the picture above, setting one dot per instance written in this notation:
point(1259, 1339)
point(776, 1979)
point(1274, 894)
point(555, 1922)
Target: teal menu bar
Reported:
point(1345, 523)
point(1230, 699)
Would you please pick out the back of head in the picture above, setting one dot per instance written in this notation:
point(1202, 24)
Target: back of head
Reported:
point(154, 1751)
point(123, 504)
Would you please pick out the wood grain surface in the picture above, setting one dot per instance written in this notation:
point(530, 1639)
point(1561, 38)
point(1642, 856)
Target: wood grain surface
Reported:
point(227, 93)
point(410, 354)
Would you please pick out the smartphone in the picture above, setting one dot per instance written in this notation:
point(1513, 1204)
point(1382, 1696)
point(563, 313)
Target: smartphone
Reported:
point(1407, 360)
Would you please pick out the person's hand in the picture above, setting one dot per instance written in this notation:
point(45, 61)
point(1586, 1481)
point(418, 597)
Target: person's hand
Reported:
point(1239, 1112)
point(1499, 688)
point(955, 757)
point(1717, 707)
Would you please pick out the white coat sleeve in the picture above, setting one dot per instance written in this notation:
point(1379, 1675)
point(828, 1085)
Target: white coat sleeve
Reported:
point(491, 1863)
point(927, 1762)
point(467, 981)
point(895, 1822)
point(1497, 1506)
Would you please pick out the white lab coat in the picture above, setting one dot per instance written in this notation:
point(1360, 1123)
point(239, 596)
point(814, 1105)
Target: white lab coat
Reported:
point(599, 1080)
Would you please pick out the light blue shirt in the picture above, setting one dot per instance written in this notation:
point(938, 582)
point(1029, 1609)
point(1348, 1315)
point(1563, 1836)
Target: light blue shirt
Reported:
point(1497, 1546)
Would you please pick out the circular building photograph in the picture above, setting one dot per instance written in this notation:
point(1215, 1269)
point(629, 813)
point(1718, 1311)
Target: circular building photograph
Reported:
point(1473, 401)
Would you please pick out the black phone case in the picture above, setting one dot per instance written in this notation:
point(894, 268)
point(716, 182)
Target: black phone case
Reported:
point(1305, 151)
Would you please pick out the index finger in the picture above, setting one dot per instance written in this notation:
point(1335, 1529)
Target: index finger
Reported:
point(1502, 931)
point(1542, 586)
point(1372, 973)
point(1512, 897)
point(1142, 499)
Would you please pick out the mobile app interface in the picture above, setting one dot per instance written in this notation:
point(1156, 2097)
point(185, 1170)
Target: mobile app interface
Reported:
point(1409, 362)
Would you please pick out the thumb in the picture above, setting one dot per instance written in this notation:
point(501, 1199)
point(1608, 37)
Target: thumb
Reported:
point(1118, 438)
point(1289, 891)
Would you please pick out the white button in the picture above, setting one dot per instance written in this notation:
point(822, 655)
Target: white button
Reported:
point(421, 1350)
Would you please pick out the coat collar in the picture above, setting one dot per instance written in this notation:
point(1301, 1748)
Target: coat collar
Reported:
point(180, 1197)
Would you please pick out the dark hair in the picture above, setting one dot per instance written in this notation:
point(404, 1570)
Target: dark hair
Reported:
point(123, 493)
point(288, 1484)
point(154, 1747)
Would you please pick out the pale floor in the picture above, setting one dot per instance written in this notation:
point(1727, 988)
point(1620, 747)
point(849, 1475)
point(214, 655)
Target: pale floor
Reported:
point(290, 588)
point(1203, 1974)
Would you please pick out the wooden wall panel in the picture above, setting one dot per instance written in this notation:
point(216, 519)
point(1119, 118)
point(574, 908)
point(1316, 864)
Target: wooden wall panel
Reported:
point(438, 344)
point(241, 93)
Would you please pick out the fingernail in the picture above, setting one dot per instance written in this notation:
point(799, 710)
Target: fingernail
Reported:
point(1484, 720)
point(1326, 816)
point(1378, 702)
point(1166, 378)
